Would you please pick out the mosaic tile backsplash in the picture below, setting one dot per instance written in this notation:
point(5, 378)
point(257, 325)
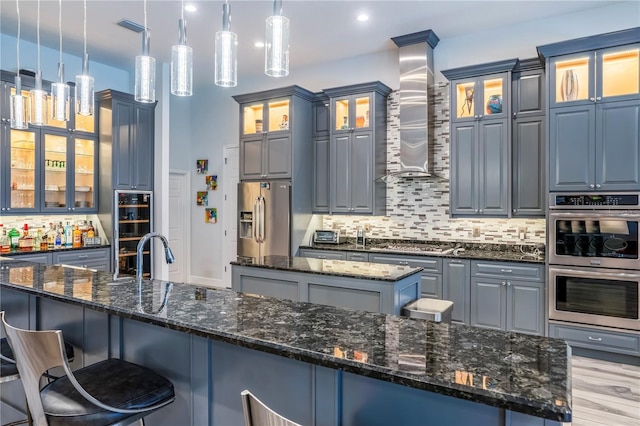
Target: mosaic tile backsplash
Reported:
point(418, 209)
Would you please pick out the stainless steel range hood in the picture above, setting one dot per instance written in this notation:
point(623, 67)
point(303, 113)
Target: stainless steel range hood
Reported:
point(416, 76)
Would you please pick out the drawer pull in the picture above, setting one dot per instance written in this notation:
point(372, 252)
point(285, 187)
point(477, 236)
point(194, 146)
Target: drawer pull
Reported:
point(322, 257)
point(506, 271)
point(83, 256)
point(595, 339)
point(403, 263)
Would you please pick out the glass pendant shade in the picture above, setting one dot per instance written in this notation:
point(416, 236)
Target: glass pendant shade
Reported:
point(145, 77)
point(226, 58)
point(181, 64)
point(277, 46)
point(60, 97)
point(19, 111)
point(84, 92)
point(38, 105)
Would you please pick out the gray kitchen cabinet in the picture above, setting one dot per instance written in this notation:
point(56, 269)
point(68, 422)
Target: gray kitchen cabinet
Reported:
point(323, 254)
point(274, 133)
point(507, 296)
point(126, 142)
point(480, 150)
point(357, 257)
point(357, 151)
point(528, 140)
point(321, 115)
point(97, 258)
point(456, 277)
point(43, 258)
point(480, 168)
point(597, 338)
point(320, 188)
point(431, 275)
point(595, 147)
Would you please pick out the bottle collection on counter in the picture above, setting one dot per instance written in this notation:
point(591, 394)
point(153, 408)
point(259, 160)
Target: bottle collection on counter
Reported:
point(80, 234)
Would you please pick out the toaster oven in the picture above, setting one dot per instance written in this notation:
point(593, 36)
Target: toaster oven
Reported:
point(329, 237)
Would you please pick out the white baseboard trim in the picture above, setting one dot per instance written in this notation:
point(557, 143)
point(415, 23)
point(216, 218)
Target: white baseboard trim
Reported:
point(205, 281)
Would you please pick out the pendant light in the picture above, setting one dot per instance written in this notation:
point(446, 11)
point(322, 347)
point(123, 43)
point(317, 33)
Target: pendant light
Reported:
point(37, 97)
point(18, 108)
point(182, 61)
point(276, 48)
point(226, 59)
point(84, 93)
point(145, 84)
point(60, 92)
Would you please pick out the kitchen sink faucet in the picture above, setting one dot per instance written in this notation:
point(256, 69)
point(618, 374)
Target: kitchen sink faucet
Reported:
point(167, 251)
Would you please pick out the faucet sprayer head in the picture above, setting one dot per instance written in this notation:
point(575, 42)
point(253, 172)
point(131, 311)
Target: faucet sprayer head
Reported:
point(168, 254)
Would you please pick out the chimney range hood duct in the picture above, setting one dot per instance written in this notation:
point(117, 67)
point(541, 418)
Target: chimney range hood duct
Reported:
point(416, 76)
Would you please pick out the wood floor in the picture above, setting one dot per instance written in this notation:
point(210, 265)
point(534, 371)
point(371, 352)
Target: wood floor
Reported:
point(605, 393)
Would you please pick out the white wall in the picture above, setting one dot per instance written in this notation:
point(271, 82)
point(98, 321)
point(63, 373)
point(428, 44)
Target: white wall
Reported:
point(214, 120)
point(106, 77)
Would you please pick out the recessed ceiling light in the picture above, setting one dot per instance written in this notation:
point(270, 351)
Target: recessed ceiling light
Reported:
point(190, 8)
point(258, 44)
point(363, 17)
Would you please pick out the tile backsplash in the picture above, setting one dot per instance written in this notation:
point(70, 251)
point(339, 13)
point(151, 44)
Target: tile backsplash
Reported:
point(418, 208)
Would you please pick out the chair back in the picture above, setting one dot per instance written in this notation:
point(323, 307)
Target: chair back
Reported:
point(258, 414)
point(35, 352)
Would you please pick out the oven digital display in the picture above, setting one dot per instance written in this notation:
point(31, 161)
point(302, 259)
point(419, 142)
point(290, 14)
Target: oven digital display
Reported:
point(631, 200)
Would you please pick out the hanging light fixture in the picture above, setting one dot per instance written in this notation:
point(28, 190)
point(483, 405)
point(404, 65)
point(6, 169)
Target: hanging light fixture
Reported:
point(38, 97)
point(276, 48)
point(60, 97)
point(18, 108)
point(182, 61)
point(84, 92)
point(226, 59)
point(145, 84)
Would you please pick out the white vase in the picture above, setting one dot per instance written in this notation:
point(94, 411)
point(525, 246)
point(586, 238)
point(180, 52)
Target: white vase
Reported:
point(569, 86)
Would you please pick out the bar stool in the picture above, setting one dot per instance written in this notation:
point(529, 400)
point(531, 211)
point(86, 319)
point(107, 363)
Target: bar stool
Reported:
point(256, 413)
point(108, 392)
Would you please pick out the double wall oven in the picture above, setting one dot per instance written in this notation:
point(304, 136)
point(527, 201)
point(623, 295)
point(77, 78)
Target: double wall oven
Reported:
point(594, 266)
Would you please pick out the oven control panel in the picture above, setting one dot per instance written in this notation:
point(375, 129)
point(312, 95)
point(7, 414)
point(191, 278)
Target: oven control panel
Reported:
point(628, 200)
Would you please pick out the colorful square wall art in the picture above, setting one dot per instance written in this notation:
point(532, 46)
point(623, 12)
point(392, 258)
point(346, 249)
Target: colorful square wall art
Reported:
point(202, 167)
point(211, 215)
point(212, 182)
point(202, 198)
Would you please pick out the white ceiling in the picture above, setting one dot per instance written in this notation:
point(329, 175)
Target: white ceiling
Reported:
point(321, 31)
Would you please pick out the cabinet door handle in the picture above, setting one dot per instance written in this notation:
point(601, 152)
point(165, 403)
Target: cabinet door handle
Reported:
point(515, 210)
point(476, 210)
point(503, 283)
point(506, 271)
point(480, 210)
point(515, 114)
point(592, 186)
point(595, 339)
point(480, 116)
point(598, 98)
point(83, 256)
point(598, 186)
point(508, 284)
point(592, 99)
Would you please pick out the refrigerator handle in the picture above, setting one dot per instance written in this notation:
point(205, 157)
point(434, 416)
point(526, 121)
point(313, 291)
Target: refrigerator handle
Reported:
point(262, 224)
point(255, 220)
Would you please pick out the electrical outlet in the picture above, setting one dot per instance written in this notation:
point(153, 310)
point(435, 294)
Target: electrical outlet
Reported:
point(522, 232)
point(334, 225)
point(476, 231)
point(367, 227)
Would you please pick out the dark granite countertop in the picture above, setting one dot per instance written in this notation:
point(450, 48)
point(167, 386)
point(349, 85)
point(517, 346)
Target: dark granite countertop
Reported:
point(16, 252)
point(495, 252)
point(523, 373)
point(339, 268)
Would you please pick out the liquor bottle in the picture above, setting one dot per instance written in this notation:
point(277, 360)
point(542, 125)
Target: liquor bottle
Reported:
point(5, 243)
point(14, 236)
point(36, 240)
point(60, 231)
point(25, 242)
point(44, 239)
point(51, 237)
point(59, 237)
point(68, 235)
point(77, 236)
point(91, 232)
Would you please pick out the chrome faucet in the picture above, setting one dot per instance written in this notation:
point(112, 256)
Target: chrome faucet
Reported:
point(167, 251)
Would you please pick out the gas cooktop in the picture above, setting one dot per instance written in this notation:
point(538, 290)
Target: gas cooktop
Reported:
point(428, 249)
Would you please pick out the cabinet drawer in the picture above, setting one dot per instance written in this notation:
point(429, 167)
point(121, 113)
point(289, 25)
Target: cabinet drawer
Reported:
point(507, 270)
point(431, 265)
point(598, 339)
point(81, 256)
point(358, 257)
point(324, 254)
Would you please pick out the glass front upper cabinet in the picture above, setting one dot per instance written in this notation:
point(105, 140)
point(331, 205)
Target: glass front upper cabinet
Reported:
point(352, 112)
point(263, 117)
point(55, 171)
point(22, 170)
point(573, 79)
point(620, 72)
point(477, 98)
point(84, 173)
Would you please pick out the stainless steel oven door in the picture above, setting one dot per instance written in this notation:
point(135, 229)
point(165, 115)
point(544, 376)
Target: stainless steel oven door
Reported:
point(598, 239)
point(594, 296)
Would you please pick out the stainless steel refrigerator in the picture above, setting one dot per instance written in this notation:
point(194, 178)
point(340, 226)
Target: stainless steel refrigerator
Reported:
point(264, 218)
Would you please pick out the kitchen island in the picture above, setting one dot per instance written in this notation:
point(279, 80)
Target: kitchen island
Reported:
point(366, 286)
point(315, 364)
